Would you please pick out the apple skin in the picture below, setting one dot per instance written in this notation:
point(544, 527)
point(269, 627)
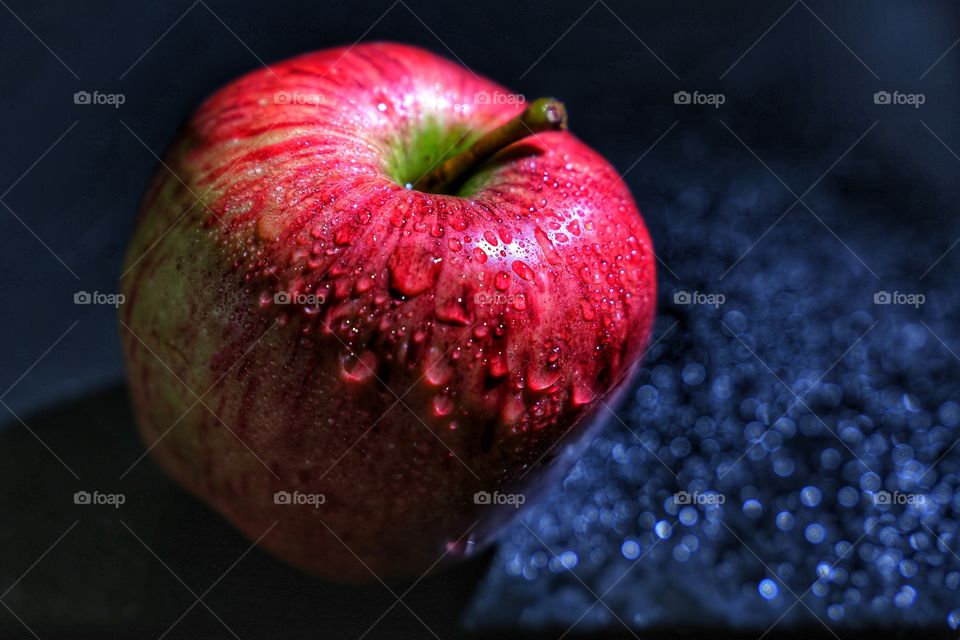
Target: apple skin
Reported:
point(454, 343)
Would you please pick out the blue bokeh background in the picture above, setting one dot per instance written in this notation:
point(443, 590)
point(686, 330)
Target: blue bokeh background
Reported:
point(788, 457)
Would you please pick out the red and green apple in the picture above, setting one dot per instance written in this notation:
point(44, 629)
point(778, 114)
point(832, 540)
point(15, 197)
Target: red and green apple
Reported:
point(370, 280)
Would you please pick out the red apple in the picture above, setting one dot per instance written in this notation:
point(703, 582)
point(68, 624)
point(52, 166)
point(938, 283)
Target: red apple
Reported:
point(352, 280)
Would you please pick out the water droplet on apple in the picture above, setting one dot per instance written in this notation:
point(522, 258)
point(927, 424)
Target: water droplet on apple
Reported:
point(581, 394)
point(498, 367)
point(453, 313)
point(412, 270)
point(540, 379)
point(442, 406)
point(357, 369)
point(437, 369)
point(341, 289)
point(342, 237)
point(364, 284)
point(546, 246)
point(523, 270)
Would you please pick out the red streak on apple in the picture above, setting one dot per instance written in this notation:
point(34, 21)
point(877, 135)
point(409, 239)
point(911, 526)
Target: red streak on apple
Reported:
point(309, 324)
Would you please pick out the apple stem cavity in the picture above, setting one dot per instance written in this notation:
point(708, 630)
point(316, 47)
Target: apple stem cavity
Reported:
point(543, 114)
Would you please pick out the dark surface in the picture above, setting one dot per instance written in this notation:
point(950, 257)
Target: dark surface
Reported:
point(799, 98)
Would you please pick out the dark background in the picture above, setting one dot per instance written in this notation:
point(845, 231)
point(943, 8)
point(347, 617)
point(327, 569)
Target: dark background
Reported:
point(798, 78)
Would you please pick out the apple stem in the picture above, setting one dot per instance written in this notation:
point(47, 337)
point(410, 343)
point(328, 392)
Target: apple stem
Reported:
point(543, 114)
